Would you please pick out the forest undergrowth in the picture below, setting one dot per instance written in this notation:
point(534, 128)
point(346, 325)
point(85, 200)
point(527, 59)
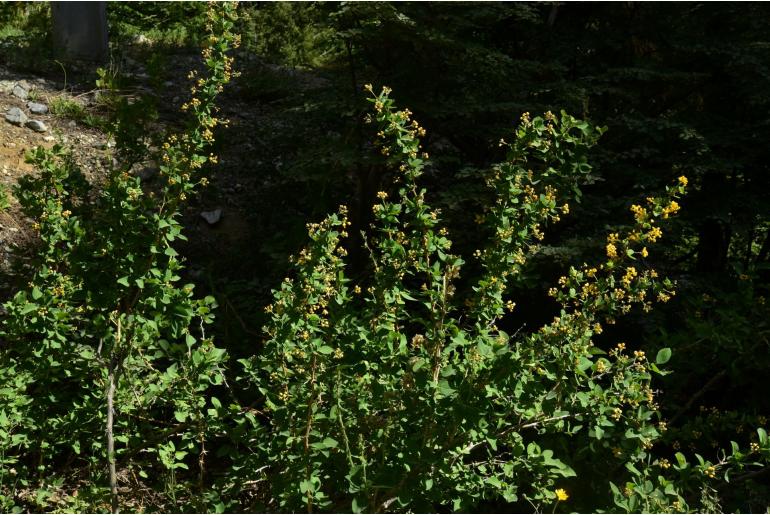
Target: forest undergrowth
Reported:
point(407, 362)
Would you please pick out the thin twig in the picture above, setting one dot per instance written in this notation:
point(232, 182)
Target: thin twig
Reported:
point(698, 395)
point(238, 317)
point(112, 375)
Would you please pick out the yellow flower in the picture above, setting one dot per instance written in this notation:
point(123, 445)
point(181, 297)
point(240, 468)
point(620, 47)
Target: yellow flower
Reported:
point(672, 208)
point(640, 214)
point(561, 494)
point(683, 180)
point(654, 234)
point(612, 251)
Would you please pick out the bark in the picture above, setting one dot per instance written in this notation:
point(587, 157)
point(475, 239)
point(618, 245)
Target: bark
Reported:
point(111, 440)
point(80, 30)
point(113, 374)
point(713, 245)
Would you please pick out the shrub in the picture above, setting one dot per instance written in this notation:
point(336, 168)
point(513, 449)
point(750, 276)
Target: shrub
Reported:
point(104, 339)
point(398, 393)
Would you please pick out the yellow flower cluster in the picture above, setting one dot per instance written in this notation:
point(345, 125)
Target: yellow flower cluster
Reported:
point(640, 213)
point(670, 209)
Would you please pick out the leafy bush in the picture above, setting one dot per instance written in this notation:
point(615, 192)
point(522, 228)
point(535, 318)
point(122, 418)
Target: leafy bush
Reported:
point(104, 339)
point(401, 393)
point(396, 386)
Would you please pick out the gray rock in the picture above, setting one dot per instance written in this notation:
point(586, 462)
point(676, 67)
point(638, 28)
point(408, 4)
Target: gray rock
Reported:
point(147, 173)
point(36, 108)
point(104, 145)
point(20, 91)
point(212, 217)
point(16, 116)
point(37, 126)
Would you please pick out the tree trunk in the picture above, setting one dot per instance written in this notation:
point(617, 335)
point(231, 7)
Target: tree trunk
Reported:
point(80, 30)
point(713, 245)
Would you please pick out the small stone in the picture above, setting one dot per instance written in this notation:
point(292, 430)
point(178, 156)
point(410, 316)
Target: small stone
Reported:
point(141, 39)
point(10, 144)
point(20, 92)
point(49, 138)
point(72, 124)
point(37, 126)
point(36, 108)
point(147, 173)
point(212, 217)
point(16, 116)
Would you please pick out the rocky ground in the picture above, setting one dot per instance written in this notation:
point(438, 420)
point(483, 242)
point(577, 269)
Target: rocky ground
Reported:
point(27, 123)
point(228, 223)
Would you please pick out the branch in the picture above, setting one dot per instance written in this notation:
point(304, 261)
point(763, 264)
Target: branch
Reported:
point(698, 395)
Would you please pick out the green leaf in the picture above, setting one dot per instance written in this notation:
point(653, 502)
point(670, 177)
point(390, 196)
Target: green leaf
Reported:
point(330, 443)
point(663, 356)
point(123, 280)
point(305, 486)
